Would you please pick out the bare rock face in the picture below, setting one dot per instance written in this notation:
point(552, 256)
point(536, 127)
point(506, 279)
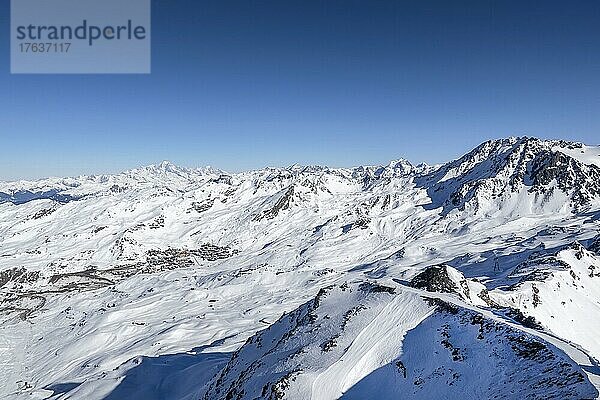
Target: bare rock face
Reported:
point(498, 298)
point(581, 181)
point(435, 279)
point(446, 279)
point(202, 206)
point(353, 340)
point(17, 276)
point(498, 168)
point(595, 245)
point(283, 203)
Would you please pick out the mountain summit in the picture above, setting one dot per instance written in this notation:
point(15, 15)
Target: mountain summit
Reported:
point(479, 278)
point(539, 172)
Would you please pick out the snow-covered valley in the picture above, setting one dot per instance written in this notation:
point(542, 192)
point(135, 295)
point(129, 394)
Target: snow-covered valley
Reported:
point(479, 278)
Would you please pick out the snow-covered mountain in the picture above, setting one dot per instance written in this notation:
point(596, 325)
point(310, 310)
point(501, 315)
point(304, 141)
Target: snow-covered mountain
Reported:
point(500, 173)
point(353, 341)
point(479, 278)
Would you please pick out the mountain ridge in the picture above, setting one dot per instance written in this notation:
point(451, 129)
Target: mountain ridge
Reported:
point(522, 161)
point(131, 273)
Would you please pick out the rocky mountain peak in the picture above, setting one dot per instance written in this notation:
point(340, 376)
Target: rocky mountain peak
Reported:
point(498, 169)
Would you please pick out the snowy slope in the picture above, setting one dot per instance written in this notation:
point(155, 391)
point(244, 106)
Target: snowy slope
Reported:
point(584, 154)
point(355, 340)
point(165, 272)
point(505, 175)
point(560, 292)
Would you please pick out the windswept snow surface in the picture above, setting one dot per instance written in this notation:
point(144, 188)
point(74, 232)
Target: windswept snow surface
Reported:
point(355, 340)
point(172, 283)
point(585, 154)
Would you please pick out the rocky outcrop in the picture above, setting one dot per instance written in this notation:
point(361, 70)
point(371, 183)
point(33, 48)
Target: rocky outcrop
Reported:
point(18, 276)
point(435, 279)
point(595, 245)
point(498, 168)
point(446, 279)
point(347, 341)
point(283, 203)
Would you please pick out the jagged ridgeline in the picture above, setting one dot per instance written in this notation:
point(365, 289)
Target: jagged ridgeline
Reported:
point(478, 278)
point(345, 344)
point(499, 170)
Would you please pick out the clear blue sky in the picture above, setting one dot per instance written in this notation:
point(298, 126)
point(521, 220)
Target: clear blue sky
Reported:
point(246, 84)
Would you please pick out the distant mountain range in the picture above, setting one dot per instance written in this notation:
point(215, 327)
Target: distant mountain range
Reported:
point(479, 278)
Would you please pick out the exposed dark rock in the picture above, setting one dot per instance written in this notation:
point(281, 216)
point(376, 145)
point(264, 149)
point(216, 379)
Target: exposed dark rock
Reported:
point(352, 313)
point(442, 306)
point(500, 167)
point(527, 348)
point(18, 275)
point(434, 279)
point(202, 206)
point(571, 176)
point(538, 267)
point(24, 305)
point(159, 222)
point(578, 249)
point(371, 287)
point(526, 321)
point(306, 341)
point(283, 203)
point(485, 296)
point(277, 390)
point(43, 213)
point(224, 179)
point(98, 229)
point(361, 223)
point(477, 319)
point(329, 344)
point(595, 245)
point(536, 296)
point(401, 368)
point(117, 189)
point(121, 244)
